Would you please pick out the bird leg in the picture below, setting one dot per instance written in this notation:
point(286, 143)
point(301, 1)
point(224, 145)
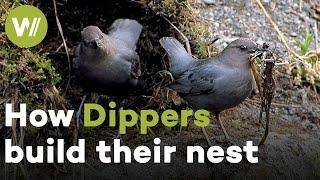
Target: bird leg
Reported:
point(118, 136)
point(226, 135)
point(216, 117)
point(206, 136)
point(80, 109)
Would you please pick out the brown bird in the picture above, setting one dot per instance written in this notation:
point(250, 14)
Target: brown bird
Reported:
point(217, 83)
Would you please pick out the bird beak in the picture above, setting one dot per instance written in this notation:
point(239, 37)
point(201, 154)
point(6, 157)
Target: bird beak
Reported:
point(256, 52)
point(260, 49)
point(99, 42)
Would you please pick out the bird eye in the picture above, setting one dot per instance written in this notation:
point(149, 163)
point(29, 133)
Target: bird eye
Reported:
point(85, 43)
point(243, 47)
point(94, 45)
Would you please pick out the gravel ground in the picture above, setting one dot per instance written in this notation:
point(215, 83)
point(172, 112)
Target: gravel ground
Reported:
point(231, 19)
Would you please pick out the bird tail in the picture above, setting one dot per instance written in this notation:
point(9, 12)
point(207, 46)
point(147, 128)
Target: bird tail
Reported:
point(127, 30)
point(178, 56)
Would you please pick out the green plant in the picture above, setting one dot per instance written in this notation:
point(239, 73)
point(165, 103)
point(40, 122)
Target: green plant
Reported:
point(305, 44)
point(308, 70)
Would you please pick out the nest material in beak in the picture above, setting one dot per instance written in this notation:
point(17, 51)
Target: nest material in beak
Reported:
point(256, 75)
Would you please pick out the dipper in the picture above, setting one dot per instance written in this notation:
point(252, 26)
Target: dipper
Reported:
point(217, 83)
point(109, 61)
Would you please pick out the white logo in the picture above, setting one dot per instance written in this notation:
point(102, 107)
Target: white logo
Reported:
point(25, 24)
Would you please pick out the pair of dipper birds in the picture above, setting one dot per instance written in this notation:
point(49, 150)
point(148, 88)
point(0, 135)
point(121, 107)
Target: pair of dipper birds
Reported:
point(215, 84)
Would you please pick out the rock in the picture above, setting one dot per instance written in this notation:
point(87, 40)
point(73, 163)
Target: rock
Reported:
point(208, 2)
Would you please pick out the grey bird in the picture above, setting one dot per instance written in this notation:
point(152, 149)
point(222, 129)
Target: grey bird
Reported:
point(215, 84)
point(109, 61)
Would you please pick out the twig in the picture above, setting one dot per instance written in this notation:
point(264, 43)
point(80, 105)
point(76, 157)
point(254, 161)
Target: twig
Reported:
point(64, 44)
point(4, 9)
point(300, 5)
point(14, 132)
point(14, 101)
point(280, 34)
point(14, 122)
point(281, 64)
point(209, 53)
point(58, 49)
point(183, 36)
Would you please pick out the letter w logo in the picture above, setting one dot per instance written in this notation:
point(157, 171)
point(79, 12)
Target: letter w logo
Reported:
point(20, 29)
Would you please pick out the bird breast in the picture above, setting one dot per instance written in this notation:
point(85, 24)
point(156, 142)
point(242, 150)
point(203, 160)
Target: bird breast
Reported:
point(107, 72)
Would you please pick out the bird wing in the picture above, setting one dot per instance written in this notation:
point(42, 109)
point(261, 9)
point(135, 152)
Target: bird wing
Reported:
point(199, 80)
point(135, 66)
point(133, 58)
point(179, 59)
point(126, 30)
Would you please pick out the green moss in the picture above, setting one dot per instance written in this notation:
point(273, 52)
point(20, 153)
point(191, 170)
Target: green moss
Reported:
point(25, 74)
point(183, 14)
point(25, 67)
point(169, 7)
